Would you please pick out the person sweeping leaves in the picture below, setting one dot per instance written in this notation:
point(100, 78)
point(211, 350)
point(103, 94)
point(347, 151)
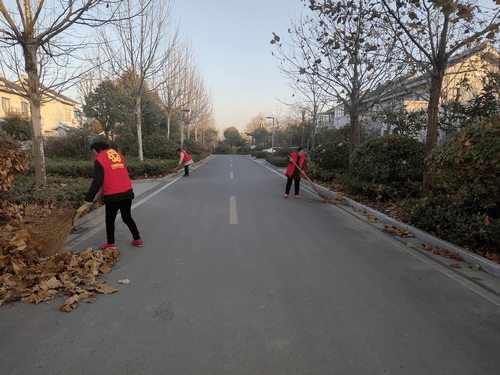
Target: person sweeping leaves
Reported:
point(184, 157)
point(293, 173)
point(110, 173)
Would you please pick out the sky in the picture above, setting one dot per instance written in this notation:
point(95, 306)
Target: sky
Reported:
point(231, 41)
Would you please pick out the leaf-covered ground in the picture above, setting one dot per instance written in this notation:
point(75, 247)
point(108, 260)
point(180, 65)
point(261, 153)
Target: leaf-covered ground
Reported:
point(392, 209)
point(31, 272)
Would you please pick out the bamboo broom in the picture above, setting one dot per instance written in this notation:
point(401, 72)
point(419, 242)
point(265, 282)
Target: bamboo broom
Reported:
point(323, 195)
point(52, 233)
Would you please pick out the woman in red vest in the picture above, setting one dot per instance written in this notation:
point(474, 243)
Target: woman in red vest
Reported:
point(184, 157)
point(110, 173)
point(293, 173)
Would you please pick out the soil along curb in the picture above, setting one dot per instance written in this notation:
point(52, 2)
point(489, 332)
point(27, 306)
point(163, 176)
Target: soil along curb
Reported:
point(467, 256)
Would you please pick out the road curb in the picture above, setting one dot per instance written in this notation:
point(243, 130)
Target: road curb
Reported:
point(467, 256)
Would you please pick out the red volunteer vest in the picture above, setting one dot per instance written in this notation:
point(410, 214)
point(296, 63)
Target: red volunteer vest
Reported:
point(116, 178)
point(291, 166)
point(186, 156)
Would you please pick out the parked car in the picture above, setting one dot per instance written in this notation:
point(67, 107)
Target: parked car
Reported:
point(271, 150)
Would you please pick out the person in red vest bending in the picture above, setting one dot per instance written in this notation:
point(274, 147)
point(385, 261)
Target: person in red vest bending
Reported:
point(293, 173)
point(110, 173)
point(184, 157)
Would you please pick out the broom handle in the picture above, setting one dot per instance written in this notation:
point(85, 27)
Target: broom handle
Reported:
point(301, 171)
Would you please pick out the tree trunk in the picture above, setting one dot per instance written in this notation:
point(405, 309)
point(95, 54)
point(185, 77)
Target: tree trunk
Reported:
point(34, 98)
point(432, 117)
point(168, 126)
point(139, 126)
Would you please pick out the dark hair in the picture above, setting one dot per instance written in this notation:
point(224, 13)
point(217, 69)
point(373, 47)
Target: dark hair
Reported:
point(179, 149)
point(300, 149)
point(99, 146)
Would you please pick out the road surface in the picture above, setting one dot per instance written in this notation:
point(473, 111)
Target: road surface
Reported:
point(236, 279)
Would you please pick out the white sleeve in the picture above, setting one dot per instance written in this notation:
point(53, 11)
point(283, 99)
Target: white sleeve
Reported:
point(182, 158)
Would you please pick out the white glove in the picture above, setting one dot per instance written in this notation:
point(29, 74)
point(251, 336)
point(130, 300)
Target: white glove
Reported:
point(89, 204)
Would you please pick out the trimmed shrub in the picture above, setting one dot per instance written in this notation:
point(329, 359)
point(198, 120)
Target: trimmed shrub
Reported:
point(223, 149)
point(278, 161)
point(283, 152)
point(392, 160)
point(331, 156)
point(244, 150)
point(64, 190)
point(193, 147)
point(18, 126)
point(259, 154)
point(157, 146)
point(465, 204)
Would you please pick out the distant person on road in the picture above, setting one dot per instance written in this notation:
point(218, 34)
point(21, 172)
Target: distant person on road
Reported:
point(110, 173)
point(184, 157)
point(293, 173)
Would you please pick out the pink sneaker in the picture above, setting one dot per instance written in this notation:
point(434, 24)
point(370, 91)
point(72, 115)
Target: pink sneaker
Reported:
point(297, 197)
point(106, 245)
point(138, 243)
point(286, 195)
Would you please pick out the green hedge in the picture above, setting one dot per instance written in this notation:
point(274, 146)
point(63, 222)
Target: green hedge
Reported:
point(464, 206)
point(68, 191)
point(391, 160)
point(278, 161)
point(331, 156)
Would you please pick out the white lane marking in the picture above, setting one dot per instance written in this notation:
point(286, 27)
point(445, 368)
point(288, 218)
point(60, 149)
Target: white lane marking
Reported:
point(231, 175)
point(233, 217)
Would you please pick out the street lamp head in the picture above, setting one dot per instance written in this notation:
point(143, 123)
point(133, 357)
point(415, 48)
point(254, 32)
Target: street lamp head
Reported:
point(185, 110)
point(270, 118)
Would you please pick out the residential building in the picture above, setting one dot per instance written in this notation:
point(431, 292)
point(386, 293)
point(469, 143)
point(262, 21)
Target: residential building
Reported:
point(463, 80)
point(58, 112)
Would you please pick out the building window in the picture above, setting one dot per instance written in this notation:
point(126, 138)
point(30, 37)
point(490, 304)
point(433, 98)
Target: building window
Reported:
point(24, 108)
point(5, 104)
point(68, 116)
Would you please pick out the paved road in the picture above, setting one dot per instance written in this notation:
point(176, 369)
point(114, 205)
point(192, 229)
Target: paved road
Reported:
point(235, 279)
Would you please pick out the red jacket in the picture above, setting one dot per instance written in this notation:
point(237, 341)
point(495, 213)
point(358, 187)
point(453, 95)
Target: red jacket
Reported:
point(116, 178)
point(291, 166)
point(186, 156)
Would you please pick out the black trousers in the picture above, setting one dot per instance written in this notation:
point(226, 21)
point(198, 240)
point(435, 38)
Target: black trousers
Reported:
point(289, 185)
point(125, 207)
point(186, 170)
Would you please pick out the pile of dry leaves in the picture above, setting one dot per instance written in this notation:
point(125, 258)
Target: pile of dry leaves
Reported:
point(30, 272)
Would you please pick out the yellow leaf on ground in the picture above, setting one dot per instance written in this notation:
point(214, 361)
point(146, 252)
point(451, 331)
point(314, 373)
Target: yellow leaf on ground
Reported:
point(104, 289)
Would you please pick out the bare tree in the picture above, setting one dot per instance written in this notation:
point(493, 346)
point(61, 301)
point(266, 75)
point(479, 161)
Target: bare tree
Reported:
point(142, 48)
point(36, 39)
point(339, 47)
point(171, 87)
point(430, 33)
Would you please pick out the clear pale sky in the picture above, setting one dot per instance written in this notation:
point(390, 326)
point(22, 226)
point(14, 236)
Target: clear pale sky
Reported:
point(231, 40)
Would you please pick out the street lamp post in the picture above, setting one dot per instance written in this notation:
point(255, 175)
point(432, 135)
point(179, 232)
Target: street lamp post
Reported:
point(182, 128)
point(272, 138)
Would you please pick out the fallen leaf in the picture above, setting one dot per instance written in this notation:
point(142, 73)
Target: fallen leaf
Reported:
point(124, 281)
point(104, 289)
point(455, 265)
point(475, 267)
point(477, 278)
point(411, 245)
